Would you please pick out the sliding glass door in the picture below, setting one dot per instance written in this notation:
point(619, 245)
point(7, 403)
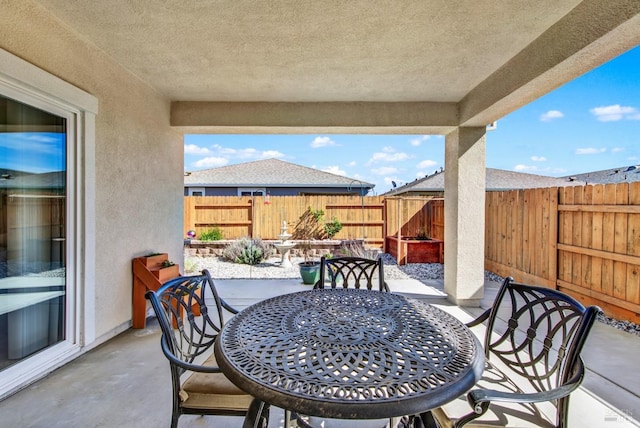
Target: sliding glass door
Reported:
point(33, 230)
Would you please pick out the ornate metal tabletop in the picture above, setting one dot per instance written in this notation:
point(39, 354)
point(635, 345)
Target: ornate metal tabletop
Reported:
point(349, 354)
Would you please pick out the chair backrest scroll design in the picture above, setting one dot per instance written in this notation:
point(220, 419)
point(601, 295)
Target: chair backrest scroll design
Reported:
point(352, 272)
point(189, 326)
point(543, 337)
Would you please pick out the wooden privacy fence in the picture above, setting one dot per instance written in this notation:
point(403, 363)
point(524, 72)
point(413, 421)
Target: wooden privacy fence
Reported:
point(413, 216)
point(372, 217)
point(259, 218)
point(583, 240)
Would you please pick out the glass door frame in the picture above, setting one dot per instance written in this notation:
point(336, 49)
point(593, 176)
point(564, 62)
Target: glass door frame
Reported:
point(30, 85)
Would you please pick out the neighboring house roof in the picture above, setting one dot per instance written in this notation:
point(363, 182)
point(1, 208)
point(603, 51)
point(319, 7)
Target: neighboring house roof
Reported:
point(22, 180)
point(496, 179)
point(271, 173)
point(614, 175)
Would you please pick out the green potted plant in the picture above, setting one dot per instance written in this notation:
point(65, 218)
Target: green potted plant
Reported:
point(308, 228)
point(332, 227)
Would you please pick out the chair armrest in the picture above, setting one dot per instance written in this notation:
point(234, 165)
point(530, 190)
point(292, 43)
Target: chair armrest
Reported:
point(187, 366)
point(480, 399)
point(482, 318)
point(478, 396)
point(228, 307)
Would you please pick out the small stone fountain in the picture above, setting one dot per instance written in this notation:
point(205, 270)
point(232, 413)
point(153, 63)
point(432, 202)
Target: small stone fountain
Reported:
point(284, 247)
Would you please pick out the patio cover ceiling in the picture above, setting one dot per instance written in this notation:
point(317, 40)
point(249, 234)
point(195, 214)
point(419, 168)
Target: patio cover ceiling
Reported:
point(352, 66)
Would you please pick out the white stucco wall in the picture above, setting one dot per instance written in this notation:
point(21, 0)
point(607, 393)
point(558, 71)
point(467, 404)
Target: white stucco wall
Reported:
point(138, 157)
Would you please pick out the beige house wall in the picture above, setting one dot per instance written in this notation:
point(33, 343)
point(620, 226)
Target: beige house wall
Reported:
point(138, 157)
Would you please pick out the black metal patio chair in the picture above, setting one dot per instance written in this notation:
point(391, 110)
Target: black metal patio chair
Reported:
point(352, 272)
point(189, 328)
point(533, 340)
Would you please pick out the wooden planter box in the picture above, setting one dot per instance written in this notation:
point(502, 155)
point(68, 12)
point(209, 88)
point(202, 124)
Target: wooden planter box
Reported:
point(154, 261)
point(167, 273)
point(415, 250)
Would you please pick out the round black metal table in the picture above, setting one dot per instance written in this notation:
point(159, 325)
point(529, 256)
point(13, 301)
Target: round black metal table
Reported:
point(349, 354)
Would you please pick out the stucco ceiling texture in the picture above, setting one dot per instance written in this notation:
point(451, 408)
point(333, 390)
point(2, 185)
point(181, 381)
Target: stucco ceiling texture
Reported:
point(339, 51)
point(435, 50)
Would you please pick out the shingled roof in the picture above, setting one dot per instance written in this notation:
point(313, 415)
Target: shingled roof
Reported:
point(622, 174)
point(270, 173)
point(496, 180)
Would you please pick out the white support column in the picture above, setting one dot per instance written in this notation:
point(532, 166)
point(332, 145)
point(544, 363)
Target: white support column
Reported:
point(464, 211)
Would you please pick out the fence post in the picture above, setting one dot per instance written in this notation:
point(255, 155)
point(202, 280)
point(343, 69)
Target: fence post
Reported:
point(553, 236)
point(252, 217)
point(399, 200)
point(385, 207)
point(189, 208)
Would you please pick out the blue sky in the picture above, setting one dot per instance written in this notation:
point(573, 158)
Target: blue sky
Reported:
point(589, 124)
point(34, 152)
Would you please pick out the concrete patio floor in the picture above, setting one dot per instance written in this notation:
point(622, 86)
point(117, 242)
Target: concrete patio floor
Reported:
point(126, 382)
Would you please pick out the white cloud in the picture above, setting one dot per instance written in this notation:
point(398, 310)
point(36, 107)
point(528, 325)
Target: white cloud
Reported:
point(210, 162)
point(538, 158)
point(217, 148)
point(31, 143)
point(334, 170)
point(417, 141)
point(192, 149)
point(387, 155)
point(39, 138)
point(615, 112)
point(322, 142)
point(385, 170)
point(550, 115)
point(590, 151)
point(617, 149)
point(427, 163)
point(352, 163)
point(248, 153)
point(268, 154)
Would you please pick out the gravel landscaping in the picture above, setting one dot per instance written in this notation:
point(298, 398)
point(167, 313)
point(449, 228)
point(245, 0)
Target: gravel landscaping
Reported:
point(270, 269)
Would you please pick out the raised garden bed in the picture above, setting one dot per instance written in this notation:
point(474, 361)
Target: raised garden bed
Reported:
point(414, 250)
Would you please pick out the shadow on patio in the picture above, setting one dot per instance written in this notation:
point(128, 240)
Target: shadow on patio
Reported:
point(126, 382)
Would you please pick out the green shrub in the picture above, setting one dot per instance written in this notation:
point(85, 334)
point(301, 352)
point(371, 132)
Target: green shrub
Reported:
point(214, 234)
point(247, 251)
point(250, 256)
point(332, 227)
